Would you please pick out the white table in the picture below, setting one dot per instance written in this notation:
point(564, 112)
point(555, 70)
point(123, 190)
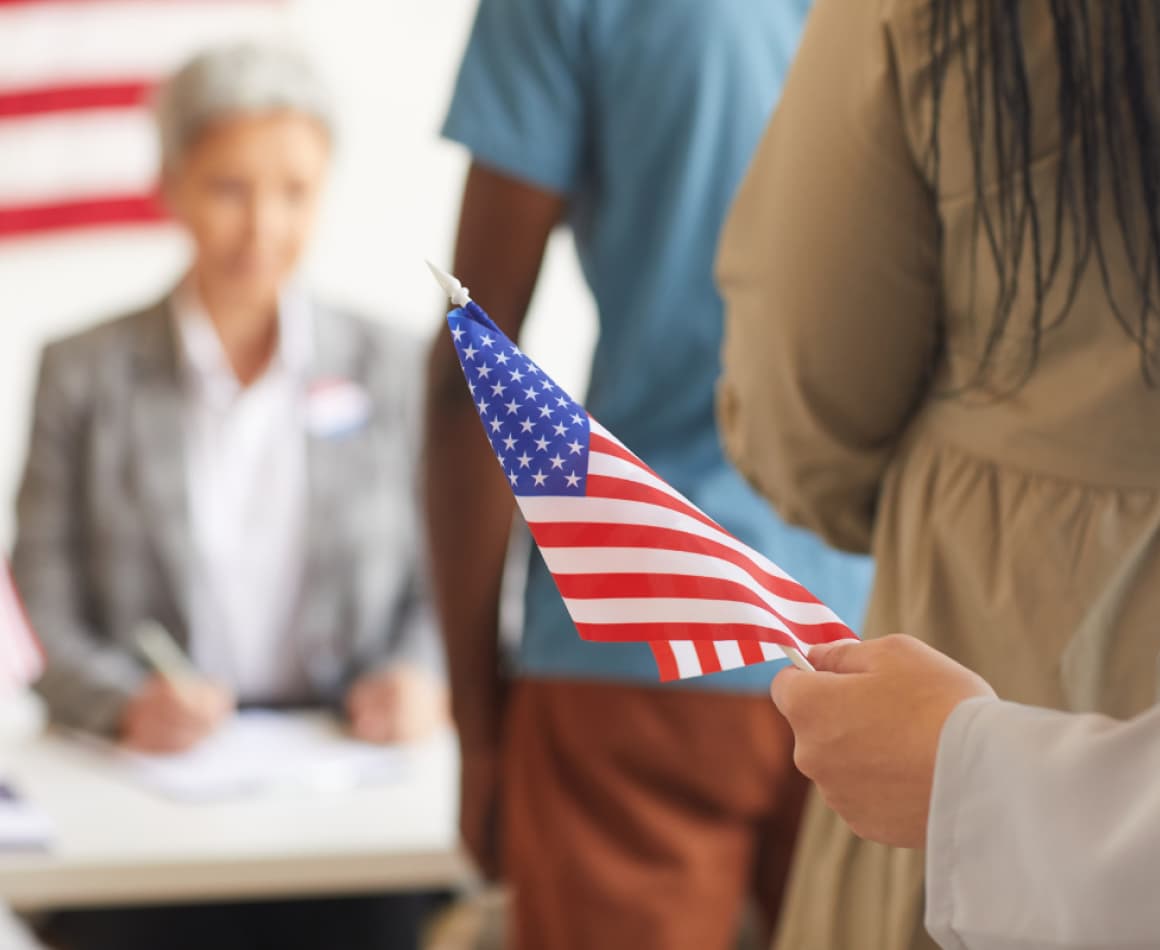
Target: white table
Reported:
point(120, 844)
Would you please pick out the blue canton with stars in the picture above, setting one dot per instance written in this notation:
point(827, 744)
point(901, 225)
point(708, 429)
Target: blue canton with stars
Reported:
point(538, 433)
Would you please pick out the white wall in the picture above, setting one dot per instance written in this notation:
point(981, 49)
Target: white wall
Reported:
point(393, 202)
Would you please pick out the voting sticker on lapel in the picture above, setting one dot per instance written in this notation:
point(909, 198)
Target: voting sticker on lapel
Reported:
point(336, 408)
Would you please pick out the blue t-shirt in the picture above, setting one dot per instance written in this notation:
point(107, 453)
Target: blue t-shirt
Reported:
point(645, 114)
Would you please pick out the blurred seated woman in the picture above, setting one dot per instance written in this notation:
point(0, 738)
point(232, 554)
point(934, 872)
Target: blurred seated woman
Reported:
point(235, 464)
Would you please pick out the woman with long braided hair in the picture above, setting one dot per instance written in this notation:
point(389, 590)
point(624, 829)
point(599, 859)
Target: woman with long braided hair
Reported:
point(942, 279)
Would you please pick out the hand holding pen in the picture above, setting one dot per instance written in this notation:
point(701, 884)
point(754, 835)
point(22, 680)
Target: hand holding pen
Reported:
point(177, 707)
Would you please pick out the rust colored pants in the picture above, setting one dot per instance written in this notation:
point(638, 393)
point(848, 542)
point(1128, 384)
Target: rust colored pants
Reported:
point(643, 818)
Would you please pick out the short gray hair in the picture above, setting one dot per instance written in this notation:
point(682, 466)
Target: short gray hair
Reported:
point(243, 79)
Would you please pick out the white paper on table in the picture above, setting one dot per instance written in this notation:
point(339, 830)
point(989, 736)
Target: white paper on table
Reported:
point(259, 751)
point(23, 826)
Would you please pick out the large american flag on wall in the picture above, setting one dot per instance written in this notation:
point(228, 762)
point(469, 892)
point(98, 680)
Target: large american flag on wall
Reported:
point(21, 659)
point(77, 147)
point(633, 559)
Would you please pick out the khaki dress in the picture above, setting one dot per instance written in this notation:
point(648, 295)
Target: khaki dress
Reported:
point(1020, 535)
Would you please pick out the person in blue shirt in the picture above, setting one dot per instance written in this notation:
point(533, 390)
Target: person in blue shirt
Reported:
point(633, 815)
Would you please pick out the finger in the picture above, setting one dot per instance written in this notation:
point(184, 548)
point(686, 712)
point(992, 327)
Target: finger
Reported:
point(383, 700)
point(192, 734)
point(375, 728)
point(205, 705)
point(226, 705)
point(423, 721)
point(411, 726)
point(358, 689)
point(220, 704)
point(357, 701)
point(197, 709)
point(801, 696)
point(785, 689)
point(179, 699)
point(843, 656)
point(156, 739)
point(167, 716)
point(182, 725)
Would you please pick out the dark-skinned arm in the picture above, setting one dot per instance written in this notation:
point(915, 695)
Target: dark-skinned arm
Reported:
point(504, 228)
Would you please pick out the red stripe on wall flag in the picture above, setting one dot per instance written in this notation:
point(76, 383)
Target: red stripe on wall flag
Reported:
point(84, 213)
point(77, 97)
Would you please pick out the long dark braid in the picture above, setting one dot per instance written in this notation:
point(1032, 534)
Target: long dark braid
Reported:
point(1108, 103)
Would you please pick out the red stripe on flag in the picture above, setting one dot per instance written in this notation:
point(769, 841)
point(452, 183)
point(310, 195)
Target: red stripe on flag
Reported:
point(620, 489)
point(751, 652)
point(23, 220)
point(22, 611)
point(640, 586)
point(21, 654)
point(666, 660)
point(582, 535)
point(707, 654)
point(634, 632)
point(74, 98)
point(600, 443)
point(644, 630)
point(57, 3)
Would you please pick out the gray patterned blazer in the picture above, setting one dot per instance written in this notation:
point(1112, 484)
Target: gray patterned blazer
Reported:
point(103, 535)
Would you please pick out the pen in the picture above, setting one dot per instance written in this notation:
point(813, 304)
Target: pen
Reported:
point(164, 655)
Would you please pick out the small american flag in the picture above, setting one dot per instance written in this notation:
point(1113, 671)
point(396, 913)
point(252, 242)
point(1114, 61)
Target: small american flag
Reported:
point(21, 659)
point(633, 559)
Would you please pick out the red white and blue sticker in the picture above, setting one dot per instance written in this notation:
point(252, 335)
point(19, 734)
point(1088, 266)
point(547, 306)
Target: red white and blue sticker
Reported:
point(336, 407)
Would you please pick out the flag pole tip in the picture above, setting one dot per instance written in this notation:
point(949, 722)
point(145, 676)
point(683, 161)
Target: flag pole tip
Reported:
point(455, 291)
point(797, 658)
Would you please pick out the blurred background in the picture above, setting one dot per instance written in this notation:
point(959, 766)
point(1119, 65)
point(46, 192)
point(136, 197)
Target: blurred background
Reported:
point(392, 200)
point(83, 239)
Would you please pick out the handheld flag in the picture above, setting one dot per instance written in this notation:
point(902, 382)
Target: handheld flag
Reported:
point(21, 659)
point(633, 559)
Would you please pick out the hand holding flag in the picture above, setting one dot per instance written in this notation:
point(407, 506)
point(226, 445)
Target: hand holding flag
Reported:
point(633, 559)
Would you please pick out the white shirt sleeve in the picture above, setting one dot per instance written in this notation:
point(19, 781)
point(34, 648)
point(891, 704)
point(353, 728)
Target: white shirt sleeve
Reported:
point(1044, 831)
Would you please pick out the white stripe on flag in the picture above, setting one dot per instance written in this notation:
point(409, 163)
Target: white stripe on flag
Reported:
point(688, 663)
point(595, 426)
point(674, 610)
point(567, 561)
point(77, 155)
point(600, 463)
point(729, 654)
point(612, 466)
point(557, 509)
point(771, 651)
point(47, 44)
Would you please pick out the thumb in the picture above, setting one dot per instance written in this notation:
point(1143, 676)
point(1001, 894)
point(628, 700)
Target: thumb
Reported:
point(841, 656)
point(786, 688)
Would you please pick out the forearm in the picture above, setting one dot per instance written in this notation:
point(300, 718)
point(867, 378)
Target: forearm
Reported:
point(87, 680)
point(469, 510)
point(90, 691)
point(1044, 830)
point(503, 230)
